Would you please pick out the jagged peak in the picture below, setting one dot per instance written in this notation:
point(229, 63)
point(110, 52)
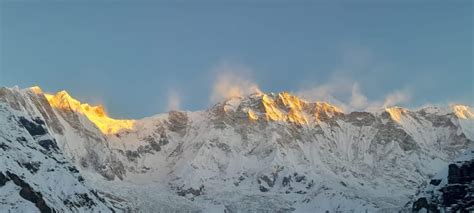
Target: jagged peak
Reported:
point(293, 108)
point(96, 114)
point(459, 110)
point(396, 113)
point(291, 101)
point(271, 109)
point(36, 89)
point(98, 110)
point(328, 108)
point(64, 93)
point(462, 111)
point(282, 106)
point(63, 100)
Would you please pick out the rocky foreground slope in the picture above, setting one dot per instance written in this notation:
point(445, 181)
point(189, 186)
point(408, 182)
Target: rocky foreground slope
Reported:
point(264, 152)
point(451, 190)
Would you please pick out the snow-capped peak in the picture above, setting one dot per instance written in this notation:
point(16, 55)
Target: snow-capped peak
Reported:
point(275, 107)
point(281, 107)
point(36, 89)
point(396, 113)
point(63, 101)
point(270, 151)
point(462, 111)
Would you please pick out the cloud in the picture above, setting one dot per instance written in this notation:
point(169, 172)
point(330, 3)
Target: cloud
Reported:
point(358, 100)
point(348, 95)
point(174, 100)
point(335, 92)
point(344, 87)
point(397, 97)
point(344, 90)
point(232, 81)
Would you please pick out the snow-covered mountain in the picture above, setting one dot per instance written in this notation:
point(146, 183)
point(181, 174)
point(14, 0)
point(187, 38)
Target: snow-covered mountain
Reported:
point(34, 172)
point(263, 152)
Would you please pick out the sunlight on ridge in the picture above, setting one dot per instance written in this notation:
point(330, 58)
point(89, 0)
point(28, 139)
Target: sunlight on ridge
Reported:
point(96, 114)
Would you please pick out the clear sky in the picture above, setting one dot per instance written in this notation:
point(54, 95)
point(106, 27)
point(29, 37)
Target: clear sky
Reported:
point(140, 57)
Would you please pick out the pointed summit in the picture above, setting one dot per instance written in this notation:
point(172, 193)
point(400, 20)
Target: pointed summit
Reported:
point(63, 100)
point(462, 111)
point(396, 113)
point(36, 89)
point(96, 114)
point(281, 107)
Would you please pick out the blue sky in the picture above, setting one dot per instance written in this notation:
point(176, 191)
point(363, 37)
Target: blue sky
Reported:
point(136, 57)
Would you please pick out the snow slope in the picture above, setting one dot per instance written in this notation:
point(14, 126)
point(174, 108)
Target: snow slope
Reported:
point(34, 173)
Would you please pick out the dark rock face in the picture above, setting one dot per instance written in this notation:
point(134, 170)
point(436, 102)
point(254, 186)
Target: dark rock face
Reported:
point(49, 144)
point(73, 169)
point(299, 178)
point(155, 146)
point(34, 128)
point(38, 101)
point(263, 189)
point(4, 147)
point(290, 183)
point(152, 147)
point(456, 196)
point(393, 132)
point(461, 174)
point(422, 203)
point(3, 179)
point(132, 155)
point(453, 193)
point(195, 192)
point(177, 121)
point(435, 182)
point(459, 193)
point(270, 182)
point(286, 181)
point(80, 201)
point(33, 167)
point(29, 194)
point(360, 118)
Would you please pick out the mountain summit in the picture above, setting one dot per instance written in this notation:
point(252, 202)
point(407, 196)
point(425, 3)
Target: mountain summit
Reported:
point(281, 107)
point(96, 114)
point(263, 152)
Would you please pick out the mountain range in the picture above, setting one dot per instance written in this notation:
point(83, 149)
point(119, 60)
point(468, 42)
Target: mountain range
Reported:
point(258, 153)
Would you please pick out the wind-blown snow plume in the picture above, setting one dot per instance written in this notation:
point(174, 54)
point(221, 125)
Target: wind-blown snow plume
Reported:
point(344, 86)
point(349, 96)
point(335, 92)
point(174, 101)
point(397, 97)
point(229, 84)
point(358, 100)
